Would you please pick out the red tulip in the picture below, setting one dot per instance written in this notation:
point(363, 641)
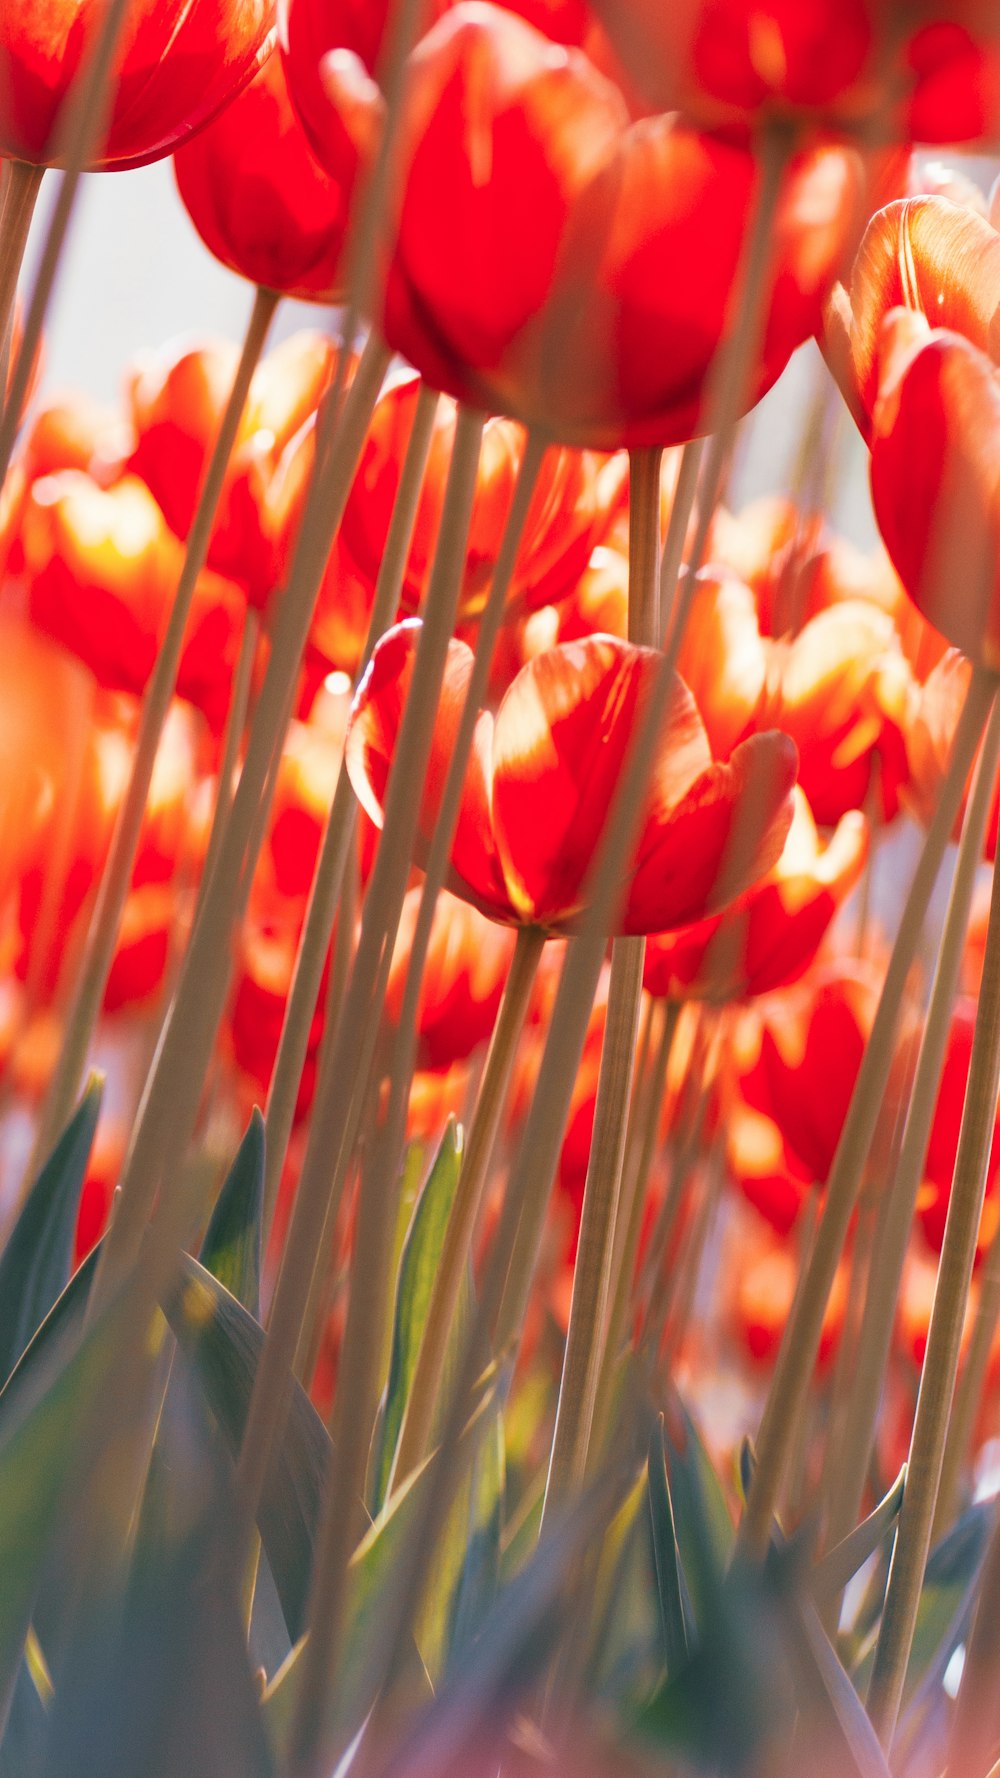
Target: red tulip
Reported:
point(770, 936)
point(597, 311)
point(258, 197)
point(935, 475)
point(462, 982)
point(543, 774)
point(173, 70)
point(887, 66)
point(942, 1148)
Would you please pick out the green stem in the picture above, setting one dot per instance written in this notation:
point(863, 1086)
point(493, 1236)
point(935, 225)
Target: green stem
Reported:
point(882, 1295)
point(937, 1379)
point(417, 1430)
point(341, 825)
point(116, 879)
point(800, 1343)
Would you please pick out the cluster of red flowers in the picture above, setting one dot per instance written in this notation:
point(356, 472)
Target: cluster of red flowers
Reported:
point(568, 240)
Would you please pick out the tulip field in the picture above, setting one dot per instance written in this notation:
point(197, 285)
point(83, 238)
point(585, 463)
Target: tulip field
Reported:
point(499, 949)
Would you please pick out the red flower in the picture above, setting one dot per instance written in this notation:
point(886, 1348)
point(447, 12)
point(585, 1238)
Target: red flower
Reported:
point(771, 935)
point(597, 310)
point(462, 982)
point(543, 774)
point(942, 1147)
point(927, 71)
point(258, 197)
point(935, 475)
point(101, 570)
point(173, 70)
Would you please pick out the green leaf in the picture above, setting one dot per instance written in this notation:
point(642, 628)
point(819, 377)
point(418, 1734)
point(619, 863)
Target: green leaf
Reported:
point(946, 1601)
point(36, 1261)
point(841, 1564)
point(373, 1580)
point(417, 1271)
point(51, 1414)
point(224, 1343)
point(231, 1250)
point(157, 1679)
point(479, 1580)
point(702, 1523)
point(833, 1721)
point(666, 1557)
point(63, 1314)
point(23, 1746)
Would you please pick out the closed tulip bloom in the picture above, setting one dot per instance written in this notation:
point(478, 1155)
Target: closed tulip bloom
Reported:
point(598, 310)
point(174, 68)
point(935, 475)
point(258, 197)
point(543, 774)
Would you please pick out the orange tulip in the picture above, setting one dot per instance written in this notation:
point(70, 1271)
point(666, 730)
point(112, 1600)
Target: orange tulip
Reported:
point(543, 773)
point(101, 569)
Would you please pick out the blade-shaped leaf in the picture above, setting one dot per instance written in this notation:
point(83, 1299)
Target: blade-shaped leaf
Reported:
point(22, 1749)
point(841, 1564)
point(231, 1250)
point(480, 1577)
point(832, 1717)
point(224, 1342)
point(36, 1261)
point(950, 1582)
point(702, 1523)
point(417, 1271)
point(666, 1558)
point(157, 1679)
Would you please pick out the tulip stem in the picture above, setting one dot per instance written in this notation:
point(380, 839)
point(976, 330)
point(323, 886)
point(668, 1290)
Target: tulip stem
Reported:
point(232, 740)
point(173, 1091)
point(80, 128)
point(417, 1431)
point(592, 1278)
point(944, 1339)
point(19, 194)
point(335, 1119)
point(969, 1389)
point(975, 1730)
point(106, 917)
point(341, 825)
point(889, 1255)
point(800, 1342)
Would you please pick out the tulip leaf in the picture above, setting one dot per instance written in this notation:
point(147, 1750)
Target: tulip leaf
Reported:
point(49, 1415)
point(479, 1580)
point(832, 1718)
point(22, 1749)
point(666, 1556)
point(224, 1343)
point(702, 1524)
point(373, 1580)
point(946, 1602)
point(841, 1564)
point(417, 1270)
point(231, 1250)
point(38, 1256)
point(62, 1314)
point(159, 1679)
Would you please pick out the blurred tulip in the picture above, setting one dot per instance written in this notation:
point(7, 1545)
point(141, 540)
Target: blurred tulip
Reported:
point(870, 67)
point(542, 776)
point(101, 569)
point(942, 1148)
point(172, 71)
point(462, 983)
point(770, 936)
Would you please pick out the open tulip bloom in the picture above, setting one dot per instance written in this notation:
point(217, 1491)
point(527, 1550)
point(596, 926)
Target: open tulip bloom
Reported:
point(542, 777)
